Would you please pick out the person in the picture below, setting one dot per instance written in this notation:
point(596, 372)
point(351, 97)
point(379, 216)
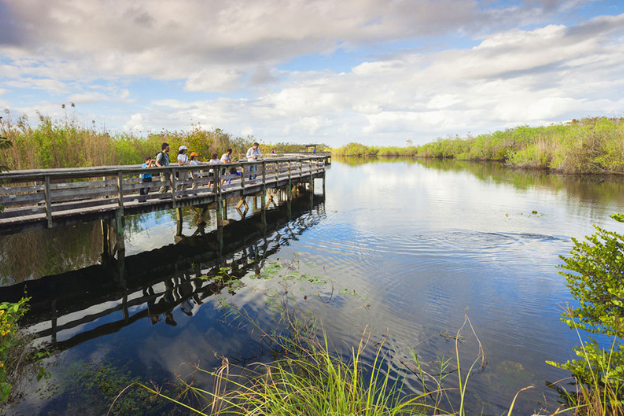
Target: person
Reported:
point(195, 174)
point(214, 160)
point(162, 160)
point(254, 155)
point(146, 178)
point(183, 160)
point(227, 158)
point(273, 151)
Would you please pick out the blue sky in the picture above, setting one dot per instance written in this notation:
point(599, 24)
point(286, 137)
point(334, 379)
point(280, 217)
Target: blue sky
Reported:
point(376, 71)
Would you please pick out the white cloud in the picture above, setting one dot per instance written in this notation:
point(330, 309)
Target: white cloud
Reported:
point(505, 75)
point(135, 123)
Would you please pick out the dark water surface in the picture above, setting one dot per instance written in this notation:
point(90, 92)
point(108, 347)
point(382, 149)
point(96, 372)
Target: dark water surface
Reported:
point(407, 248)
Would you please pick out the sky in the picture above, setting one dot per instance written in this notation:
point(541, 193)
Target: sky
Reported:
point(378, 72)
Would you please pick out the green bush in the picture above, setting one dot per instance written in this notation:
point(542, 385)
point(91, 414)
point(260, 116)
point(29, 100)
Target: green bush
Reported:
point(595, 276)
point(16, 353)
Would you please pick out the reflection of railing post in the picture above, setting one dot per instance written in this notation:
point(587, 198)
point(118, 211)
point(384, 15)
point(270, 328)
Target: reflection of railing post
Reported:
point(48, 201)
point(179, 221)
point(54, 321)
point(217, 190)
point(119, 230)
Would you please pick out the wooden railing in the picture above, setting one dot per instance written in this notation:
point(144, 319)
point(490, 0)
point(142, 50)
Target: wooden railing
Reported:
point(54, 193)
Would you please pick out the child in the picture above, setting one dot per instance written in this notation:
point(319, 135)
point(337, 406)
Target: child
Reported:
point(214, 160)
point(146, 177)
point(195, 174)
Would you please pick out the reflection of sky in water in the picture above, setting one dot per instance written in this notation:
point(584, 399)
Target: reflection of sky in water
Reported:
point(419, 245)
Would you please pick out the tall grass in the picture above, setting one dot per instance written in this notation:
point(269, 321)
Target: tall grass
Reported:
point(306, 377)
point(590, 145)
point(68, 143)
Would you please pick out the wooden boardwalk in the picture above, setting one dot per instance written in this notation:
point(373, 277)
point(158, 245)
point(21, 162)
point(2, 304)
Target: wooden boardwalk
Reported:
point(59, 197)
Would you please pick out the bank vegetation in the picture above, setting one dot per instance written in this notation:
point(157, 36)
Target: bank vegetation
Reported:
point(590, 145)
point(68, 143)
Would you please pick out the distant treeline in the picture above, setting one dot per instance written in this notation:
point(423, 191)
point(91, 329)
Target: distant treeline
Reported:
point(68, 143)
point(590, 145)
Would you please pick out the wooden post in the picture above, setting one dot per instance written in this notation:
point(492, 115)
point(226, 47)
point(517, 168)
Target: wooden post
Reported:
point(225, 207)
point(173, 186)
point(276, 172)
point(242, 176)
point(263, 174)
point(48, 201)
point(120, 191)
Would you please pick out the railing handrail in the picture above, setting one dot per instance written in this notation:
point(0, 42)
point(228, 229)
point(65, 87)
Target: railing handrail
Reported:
point(86, 172)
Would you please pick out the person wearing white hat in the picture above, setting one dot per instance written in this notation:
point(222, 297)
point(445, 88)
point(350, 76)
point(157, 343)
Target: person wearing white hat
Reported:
point(183, 160)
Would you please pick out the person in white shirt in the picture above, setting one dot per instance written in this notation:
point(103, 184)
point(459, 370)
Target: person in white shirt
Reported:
point(183, 160)
point(227, 158)
point(254, 155)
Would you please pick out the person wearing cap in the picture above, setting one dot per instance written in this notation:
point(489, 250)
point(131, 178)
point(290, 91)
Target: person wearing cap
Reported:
point(195, 174)
point(183, 160)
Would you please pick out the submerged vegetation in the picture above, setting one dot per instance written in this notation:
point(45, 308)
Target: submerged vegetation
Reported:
point(590, 145)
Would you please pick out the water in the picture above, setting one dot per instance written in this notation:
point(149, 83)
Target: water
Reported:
point(422, 244)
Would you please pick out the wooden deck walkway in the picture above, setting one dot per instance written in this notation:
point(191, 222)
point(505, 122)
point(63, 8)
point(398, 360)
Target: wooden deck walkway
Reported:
point(60, 197)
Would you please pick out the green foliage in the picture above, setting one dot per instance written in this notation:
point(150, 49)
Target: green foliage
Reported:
point(591, 145)
point(595, 276)
point(67, 143)
point(16, 352)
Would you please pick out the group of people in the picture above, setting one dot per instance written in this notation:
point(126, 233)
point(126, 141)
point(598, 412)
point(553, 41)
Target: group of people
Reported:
point(184, 159)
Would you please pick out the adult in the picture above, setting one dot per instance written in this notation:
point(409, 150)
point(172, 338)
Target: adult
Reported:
point(254, 155)
point(227, 158)
point(162, 160)
point(183, 160)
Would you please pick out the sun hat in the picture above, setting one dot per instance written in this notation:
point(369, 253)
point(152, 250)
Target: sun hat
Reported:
point(193, 154)
point(183, 148)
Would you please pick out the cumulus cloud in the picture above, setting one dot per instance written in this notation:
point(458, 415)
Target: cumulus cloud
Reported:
point(180, 40)
point(513, 77)
point(504, 74)
point(135, 123)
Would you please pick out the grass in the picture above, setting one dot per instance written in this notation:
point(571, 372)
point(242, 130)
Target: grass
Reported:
point(590, 145)
point(308, 377)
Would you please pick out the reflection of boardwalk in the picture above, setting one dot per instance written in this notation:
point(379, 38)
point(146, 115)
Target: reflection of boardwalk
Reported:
point(59, 197)
point(152, 284)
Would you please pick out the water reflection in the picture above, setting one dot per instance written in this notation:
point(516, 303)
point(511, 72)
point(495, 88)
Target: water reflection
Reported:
point(152, 284)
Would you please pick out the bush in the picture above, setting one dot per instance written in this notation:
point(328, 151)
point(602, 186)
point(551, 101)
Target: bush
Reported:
point(16, 352)
point(595, 275)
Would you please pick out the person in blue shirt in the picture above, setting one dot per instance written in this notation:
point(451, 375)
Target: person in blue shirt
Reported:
point(146, 178)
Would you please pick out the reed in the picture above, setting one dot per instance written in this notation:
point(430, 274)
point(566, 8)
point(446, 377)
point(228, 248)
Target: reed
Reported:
point(68, 143)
